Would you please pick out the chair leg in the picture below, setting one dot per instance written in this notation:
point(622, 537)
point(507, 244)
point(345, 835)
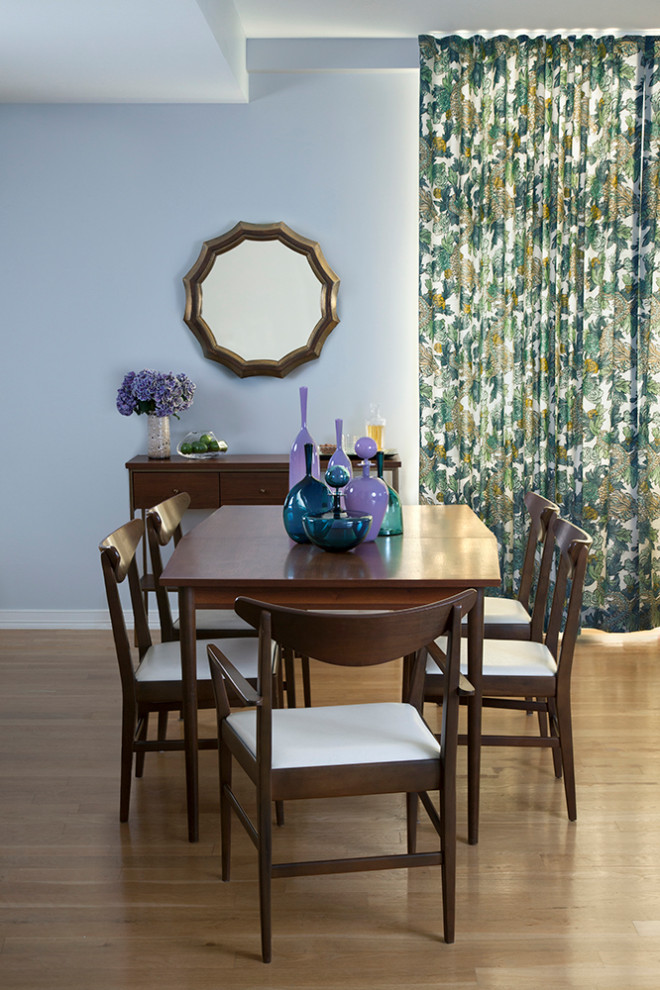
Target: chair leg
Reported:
point(554, 731)
point(278, 684)
point(565, 728)
point(412, 802)
point(127, 737)
point(141, 735)
point(307, 684)
point(225, 767)
point(448, 847)
point(162, 724)
point(289, 678)
point(265, 874)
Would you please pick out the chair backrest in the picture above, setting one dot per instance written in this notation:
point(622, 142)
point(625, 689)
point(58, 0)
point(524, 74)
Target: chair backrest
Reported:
point(118, 561)
point(541, 512)
point(163, 523)
point(354, 639)
point(572, 546)
point(542, 515)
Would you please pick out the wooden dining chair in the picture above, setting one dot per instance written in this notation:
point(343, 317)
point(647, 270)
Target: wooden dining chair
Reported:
point(339, 750)
point(515, 618)
point(517, 671)
point(151, 680)
point(163, 523)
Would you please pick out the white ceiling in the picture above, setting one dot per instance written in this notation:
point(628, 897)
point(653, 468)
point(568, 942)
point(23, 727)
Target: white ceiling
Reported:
point(157, 51)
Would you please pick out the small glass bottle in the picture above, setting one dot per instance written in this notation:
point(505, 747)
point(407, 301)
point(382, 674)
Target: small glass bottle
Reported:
point(340, 456)
point(376, 427)
point(392, 524)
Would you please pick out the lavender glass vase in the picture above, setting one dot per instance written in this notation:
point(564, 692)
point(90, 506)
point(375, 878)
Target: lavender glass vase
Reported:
point(297, 468)
point(367, 495)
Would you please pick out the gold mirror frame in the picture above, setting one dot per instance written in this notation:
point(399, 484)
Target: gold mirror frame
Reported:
point(311, 342)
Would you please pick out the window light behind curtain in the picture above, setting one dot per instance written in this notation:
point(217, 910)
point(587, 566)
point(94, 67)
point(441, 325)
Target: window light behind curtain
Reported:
point(539, 316)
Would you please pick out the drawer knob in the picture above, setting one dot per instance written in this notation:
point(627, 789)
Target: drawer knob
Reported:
point(262, 491)
point(175, 491)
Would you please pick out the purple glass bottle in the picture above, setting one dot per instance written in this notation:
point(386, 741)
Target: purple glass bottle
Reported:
point(340, 456)
point(366, 494)
point(297, 456)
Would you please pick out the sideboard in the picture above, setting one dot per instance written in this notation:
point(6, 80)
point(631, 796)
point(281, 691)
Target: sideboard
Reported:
point(230, 479)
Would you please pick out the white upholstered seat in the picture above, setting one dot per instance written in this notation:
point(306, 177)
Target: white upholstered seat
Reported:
point(210, 619)
point(501, 610)
point(507, 658)
point(162, 661)
point(341, 735)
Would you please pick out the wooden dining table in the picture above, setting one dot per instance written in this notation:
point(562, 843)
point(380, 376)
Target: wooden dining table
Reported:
point(242, 550)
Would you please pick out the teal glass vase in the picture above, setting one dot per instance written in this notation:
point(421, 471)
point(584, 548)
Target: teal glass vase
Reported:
point(308, 497)
point(392, 524)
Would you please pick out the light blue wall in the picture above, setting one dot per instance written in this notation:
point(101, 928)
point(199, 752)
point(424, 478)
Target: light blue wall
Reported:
point(103, 210)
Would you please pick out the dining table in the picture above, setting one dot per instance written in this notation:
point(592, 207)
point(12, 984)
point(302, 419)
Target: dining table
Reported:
point(244, 550)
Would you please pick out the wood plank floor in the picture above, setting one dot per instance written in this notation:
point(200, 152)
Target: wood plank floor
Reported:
point(89, 903)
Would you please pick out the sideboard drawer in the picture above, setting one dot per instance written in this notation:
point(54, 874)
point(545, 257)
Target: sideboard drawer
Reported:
point(152, 487)
point(254, 488)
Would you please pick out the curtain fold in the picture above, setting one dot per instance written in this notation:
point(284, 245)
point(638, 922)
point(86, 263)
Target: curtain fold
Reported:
point(539, 320)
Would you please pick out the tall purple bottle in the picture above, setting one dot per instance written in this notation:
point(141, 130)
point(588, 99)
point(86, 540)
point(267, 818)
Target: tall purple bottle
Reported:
point(340, 456)
point(367, 495)
point(297, 470)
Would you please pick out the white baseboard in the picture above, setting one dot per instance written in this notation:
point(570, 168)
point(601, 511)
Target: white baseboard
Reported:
point(61, 619)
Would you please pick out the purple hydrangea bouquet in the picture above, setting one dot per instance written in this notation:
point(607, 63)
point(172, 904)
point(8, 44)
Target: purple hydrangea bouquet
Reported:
point(159, 395)
point(156, 393)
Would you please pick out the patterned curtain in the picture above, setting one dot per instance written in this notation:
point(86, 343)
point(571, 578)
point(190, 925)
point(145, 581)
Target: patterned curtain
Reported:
point(539, 307)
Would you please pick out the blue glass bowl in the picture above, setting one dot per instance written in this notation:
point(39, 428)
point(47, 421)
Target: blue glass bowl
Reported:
point(336, 533)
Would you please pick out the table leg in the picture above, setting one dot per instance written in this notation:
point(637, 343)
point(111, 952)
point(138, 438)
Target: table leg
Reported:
point(475, 664)
point(189, 707)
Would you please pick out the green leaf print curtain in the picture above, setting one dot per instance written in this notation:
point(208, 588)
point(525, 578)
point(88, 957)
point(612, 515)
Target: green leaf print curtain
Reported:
point(539, 282)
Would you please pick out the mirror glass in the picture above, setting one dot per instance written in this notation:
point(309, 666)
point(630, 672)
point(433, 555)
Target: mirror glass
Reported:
point(261, 299)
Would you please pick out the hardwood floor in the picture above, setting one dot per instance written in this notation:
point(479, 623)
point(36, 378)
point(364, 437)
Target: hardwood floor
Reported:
point(89, 903)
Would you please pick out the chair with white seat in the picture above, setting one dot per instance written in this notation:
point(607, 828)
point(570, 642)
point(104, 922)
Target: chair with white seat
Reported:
point(340, 750)
point(153, 684)
point(517, 671)
point(163, 523)
point(511, 618)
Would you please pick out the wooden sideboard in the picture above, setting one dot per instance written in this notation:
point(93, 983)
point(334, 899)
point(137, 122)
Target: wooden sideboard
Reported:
point(230, 479)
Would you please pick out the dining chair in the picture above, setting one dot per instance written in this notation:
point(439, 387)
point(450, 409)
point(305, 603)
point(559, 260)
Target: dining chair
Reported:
point(340, 750)
point(163, 523)
point(527, 675)
point(512, 618)
point(153, 684)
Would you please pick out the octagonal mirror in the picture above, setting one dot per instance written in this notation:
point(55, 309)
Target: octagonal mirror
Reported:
point(261, 299)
